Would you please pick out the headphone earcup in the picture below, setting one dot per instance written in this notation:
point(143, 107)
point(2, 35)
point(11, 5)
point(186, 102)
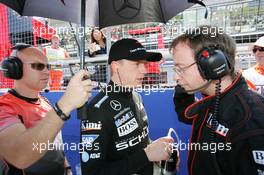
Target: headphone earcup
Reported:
point(14, 67)
point(201, 70)
point(212, 63)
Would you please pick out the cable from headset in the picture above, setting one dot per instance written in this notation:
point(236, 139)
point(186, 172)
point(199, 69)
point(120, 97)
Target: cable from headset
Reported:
point(216, 105)
point(214, 124)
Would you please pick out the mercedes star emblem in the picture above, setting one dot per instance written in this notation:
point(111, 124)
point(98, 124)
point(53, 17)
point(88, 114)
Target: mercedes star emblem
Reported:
point(127, 9)
point(115, 105)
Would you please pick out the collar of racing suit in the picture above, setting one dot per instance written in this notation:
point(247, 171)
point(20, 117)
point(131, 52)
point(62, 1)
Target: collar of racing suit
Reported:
point(194, 109)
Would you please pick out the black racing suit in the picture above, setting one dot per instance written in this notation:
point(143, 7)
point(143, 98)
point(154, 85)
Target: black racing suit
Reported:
point(239, 138)
point(115, 134)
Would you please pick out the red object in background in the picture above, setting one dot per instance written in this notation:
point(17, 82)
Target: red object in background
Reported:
point(153, 67)
point(5, 45)
point(42, 30)
point(4, 40)
point(55, 79)
point(160, 41)
point(29, 30)
point(144, 31)
point(153, 73)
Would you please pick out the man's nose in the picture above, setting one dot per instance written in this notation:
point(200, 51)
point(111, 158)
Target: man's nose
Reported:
point(176, 76)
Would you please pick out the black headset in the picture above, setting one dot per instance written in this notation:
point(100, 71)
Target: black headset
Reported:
point(12, 66)
point(212, 62)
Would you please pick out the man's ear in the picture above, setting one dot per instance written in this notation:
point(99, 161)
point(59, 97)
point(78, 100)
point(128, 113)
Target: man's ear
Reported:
point(114, 66)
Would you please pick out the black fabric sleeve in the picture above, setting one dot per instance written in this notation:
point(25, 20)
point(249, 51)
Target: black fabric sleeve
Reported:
point(248, 156)
point(181, 101)
point(99, 162)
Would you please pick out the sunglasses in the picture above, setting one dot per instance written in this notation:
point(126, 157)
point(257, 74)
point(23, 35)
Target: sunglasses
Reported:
point(39, 66)
point(261, 49)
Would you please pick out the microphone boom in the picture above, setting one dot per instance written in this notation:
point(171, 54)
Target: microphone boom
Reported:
point(201, 87)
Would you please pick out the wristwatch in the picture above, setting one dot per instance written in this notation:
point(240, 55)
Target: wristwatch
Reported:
point(59, 112)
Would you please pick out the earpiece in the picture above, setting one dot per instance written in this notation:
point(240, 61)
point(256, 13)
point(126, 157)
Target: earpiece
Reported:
point(212, 63)
point(12, 65)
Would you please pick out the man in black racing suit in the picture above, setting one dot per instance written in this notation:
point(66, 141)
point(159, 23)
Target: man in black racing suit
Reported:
point(236, 144)
point(115, 136)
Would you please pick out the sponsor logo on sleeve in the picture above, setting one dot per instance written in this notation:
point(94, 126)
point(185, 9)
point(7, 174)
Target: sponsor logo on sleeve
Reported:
point(115, 105)
point(133, 141)
point(220, 129)
point(258, 156)
point(88, 142)
point(121, 112)
point(89, 139)
point(127, 128)
point(90, 126)
point(86, 156)
point(124, 118)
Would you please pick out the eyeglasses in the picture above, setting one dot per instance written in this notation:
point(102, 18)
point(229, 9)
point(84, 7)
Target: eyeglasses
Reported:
point(180, 70)
point(255, 49)
point(39, 66)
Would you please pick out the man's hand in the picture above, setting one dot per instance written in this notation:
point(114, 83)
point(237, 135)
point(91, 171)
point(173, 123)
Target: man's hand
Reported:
point(160, 149)
point(77, 92)
point(69, 172)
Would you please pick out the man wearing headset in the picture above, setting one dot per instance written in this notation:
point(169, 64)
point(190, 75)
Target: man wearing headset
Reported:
point(28, 120)
point(115, 135)
point(228, 124)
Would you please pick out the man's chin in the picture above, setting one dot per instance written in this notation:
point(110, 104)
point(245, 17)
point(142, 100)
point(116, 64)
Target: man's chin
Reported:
point(41, 87)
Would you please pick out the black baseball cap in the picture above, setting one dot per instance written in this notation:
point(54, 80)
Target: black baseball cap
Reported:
point(131, 49)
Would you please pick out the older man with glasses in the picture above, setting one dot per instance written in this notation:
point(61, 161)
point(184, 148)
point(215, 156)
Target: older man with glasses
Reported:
point(255, 74)
point(28, 120)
